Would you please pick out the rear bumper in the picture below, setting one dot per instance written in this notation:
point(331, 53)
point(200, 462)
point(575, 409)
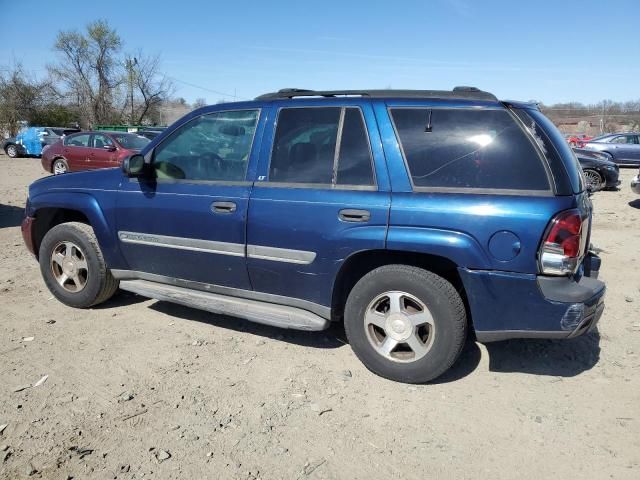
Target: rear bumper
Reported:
point(513, 305)
point(635, 184)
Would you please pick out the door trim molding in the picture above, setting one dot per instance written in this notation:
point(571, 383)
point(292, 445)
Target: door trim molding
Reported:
point(183, 243)
point(261, 252)
point(320, 310)
point(280, 254)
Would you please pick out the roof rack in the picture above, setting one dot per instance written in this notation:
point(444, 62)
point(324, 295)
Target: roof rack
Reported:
point(465, 93)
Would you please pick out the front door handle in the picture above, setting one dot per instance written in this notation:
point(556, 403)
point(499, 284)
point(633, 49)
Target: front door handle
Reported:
point(223, 207)
point(354, 215)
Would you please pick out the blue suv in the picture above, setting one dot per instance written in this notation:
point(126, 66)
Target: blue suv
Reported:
point(415, 217)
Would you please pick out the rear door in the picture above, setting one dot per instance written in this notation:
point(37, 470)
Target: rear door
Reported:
point(102, 152)
point(76, 151)
point(321, 195)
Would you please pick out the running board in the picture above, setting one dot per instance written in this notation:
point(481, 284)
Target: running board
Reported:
point(282, 316)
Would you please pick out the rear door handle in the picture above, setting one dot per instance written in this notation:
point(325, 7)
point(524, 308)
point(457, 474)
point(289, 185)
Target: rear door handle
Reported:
point(223, 207)
point(354, 215)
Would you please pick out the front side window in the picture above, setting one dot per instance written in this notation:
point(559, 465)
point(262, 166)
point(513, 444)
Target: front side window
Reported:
point(78, 140)
point(213, 147)
point(325, 146)
point(463, 148)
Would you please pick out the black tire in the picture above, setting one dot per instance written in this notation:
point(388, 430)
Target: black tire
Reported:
point(12, 151)
point(100, 284)
point(63, 164)
point(444, 304)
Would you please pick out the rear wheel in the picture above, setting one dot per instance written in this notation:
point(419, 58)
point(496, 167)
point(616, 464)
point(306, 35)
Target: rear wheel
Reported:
point(11, 151)
point(73, 267)
point(59, 166)
point(594, 180)
point(405, 323)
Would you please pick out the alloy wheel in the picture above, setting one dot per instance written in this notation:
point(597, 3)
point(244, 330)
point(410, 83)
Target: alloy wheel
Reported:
point(69, 266)
point(399, 326)
point(59, 167)
point(12, 151)
point(594, 179)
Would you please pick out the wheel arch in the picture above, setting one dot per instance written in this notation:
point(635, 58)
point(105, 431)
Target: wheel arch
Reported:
point(360, 263)
point(53, 160)
point(51, 209)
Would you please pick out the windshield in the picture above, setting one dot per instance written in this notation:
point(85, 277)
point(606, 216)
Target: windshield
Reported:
point(131, 141)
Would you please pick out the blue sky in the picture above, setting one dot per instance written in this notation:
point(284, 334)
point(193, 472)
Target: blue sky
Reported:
point(551, 51)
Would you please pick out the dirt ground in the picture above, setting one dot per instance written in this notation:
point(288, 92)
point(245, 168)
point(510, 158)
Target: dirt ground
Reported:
point(139, 388)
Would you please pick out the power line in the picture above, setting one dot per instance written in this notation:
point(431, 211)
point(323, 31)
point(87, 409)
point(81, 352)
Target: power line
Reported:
point(202, 88)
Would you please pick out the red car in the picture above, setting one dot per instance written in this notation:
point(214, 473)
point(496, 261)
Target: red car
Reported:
point(577, 139)
point(90, 150)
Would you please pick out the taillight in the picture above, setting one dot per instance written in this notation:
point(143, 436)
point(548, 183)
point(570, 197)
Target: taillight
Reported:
point(564, 243)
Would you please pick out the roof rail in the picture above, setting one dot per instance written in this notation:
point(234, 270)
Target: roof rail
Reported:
point(465, 93)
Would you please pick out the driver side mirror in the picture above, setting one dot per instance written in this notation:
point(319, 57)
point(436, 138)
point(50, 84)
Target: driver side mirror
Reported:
point(134, 166)
point(110, 148)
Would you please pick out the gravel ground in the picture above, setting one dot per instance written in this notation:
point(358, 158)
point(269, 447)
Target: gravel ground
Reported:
point(139, 388)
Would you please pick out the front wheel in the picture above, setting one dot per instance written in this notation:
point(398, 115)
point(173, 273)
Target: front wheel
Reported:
point(12, 151)
point(59, 167)
point(405, 323)
point(73, 267)
point(594, 180)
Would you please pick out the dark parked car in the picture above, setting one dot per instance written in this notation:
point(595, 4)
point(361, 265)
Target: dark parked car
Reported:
point(412, 216)
point(621, 148)
point(151, 132)
point(599, 173)
point(90, 150)
point(17, 146)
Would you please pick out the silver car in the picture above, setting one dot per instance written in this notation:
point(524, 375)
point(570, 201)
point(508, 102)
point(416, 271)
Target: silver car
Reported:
point(620, 148)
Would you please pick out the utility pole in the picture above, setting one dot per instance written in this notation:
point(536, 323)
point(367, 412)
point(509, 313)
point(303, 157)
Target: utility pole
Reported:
point(131, 62)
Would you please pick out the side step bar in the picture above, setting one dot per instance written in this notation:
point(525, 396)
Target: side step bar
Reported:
point(260, 312)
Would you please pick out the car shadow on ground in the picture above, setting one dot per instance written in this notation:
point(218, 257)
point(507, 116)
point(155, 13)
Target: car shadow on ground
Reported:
point(333, 337)
point(557, 358)
point(10, 216)
point(635, 203)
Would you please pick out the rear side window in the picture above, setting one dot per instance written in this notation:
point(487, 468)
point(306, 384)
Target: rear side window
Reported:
point(325, 146)
point(463, 148)
point(78, 140)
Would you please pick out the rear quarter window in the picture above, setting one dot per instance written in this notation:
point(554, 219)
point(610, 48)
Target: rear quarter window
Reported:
point(468, 149)
point(559, 154)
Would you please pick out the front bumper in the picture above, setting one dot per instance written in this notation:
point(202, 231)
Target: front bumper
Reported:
point(27, 233)
point(508, 305)
point(635, 184)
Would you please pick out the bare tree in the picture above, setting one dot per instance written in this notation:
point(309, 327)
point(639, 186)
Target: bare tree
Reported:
point(22, 98)
point(199, 103)
point(90, 71)
point(150, 86)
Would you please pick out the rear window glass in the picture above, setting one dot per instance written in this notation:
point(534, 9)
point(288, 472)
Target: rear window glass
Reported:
point(131, 141)
point(463, 148)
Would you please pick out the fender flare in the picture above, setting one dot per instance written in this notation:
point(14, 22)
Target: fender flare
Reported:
point(459, 247)
point(87, 205)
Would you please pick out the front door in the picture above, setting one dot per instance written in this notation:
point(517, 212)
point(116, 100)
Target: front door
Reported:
point(76, 151)
point(102, 152)
point(188, 221)
point(321, 195)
